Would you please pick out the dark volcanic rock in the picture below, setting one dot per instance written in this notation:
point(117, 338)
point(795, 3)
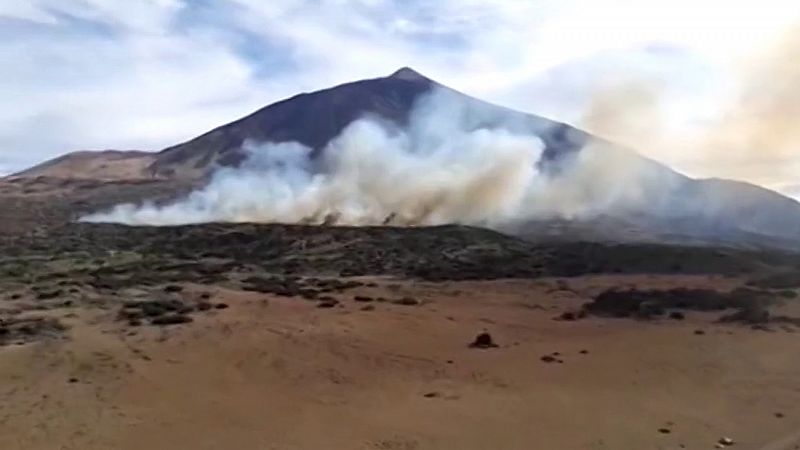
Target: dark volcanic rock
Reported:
point(751, 305)
point(173, 288)
point(171, 319)
point(438, 253)
point(155, 308)
point(751, 315)
point(571, 316)
point(204, 306)
point(483, 340)
point(29, 329)
point(406, 301)
point(47, 295)
point(327, 303)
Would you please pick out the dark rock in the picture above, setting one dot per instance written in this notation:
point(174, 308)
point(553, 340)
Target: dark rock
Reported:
point(649, 303)
point(664, 430)
point(483, 340)
point(204, 306)
point(406, 301)
point(21, 330)
point(327, 304)
point(185, 309)
point(72, 380)
point(363, 298)
point(309, 294)
point(549, 359)
point(567, 316)
point(650, 309)
point(368, 308)
point(699, 332)
point(677, 315)
point(751, 315)
point(432, 395)
point(171, 319)
point(47, 295)
point(155, 308)
point(171, 288)
point(125, 314)
point(221, 306)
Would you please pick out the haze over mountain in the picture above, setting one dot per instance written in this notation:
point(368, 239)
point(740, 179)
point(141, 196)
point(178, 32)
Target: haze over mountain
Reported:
point(649, 197)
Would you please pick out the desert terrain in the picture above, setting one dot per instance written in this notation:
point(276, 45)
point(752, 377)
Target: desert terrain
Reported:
point(306, 337)
point(665, 316)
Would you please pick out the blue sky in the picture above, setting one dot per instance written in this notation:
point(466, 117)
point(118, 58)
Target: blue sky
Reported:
point(145, 74)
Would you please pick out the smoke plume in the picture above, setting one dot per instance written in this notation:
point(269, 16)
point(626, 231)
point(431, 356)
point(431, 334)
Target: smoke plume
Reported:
point(436, 171)
point(754, 138)
point(440, 169)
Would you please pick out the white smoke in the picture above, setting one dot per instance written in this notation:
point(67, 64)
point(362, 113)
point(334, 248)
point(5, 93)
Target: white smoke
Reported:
point(440, 169)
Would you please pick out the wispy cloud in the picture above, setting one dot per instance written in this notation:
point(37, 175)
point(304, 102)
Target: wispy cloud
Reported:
point(79, 74)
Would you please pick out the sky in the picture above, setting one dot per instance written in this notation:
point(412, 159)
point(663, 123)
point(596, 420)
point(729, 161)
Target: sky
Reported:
point(670, 78)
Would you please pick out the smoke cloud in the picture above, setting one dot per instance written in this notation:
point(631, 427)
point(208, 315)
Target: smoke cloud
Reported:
point(434, 172)
point(440, 169)
point(754, 137)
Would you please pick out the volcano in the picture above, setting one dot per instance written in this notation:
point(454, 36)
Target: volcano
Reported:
point(672, 207)
point(314, 119)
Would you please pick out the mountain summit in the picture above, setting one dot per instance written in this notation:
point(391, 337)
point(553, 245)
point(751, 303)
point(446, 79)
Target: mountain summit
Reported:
point(407, 73)
point(314, 119)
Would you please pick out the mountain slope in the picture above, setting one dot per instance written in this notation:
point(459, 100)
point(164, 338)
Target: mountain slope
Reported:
point(313, 119)
point(103, 165)
point(667, 206)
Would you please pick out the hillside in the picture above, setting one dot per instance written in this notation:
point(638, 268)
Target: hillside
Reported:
point(669, 206)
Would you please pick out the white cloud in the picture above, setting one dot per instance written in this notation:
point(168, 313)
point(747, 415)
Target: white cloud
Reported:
point(147, 74)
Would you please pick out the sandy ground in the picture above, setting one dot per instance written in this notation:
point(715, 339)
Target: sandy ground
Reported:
point(279, 373)
point(95, 165)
